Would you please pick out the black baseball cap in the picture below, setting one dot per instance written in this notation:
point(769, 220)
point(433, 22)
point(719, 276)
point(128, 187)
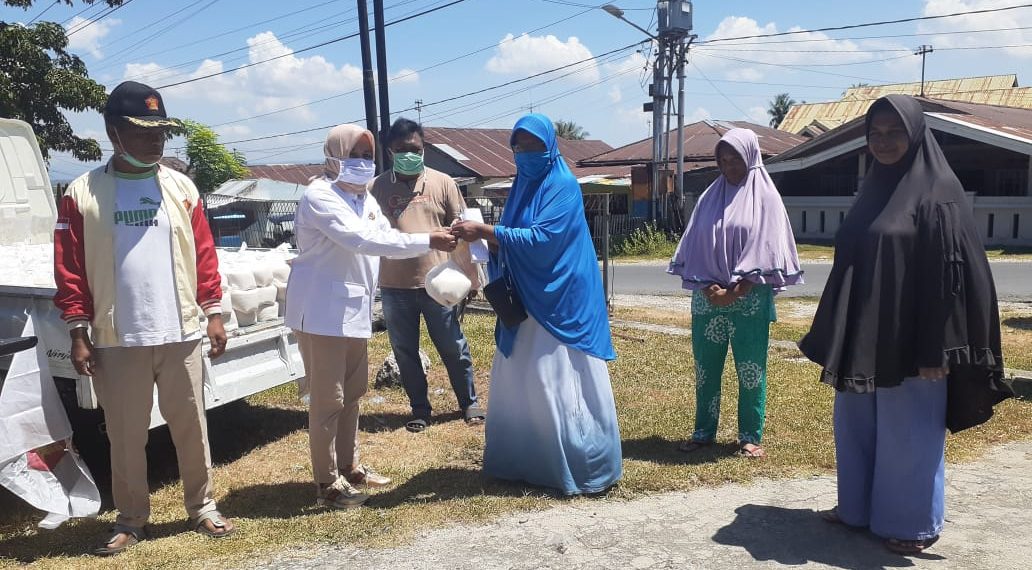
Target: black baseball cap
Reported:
point(138, 104)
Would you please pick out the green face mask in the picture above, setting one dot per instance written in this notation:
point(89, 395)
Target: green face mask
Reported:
point(136, 162)
point(408, 163)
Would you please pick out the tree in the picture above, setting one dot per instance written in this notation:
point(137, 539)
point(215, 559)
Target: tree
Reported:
point(778, 108)
point(209, 163)
point(39, 80)
point(570, 131)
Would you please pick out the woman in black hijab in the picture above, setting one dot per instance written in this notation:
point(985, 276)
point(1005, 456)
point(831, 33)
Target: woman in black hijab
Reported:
point(907, 331)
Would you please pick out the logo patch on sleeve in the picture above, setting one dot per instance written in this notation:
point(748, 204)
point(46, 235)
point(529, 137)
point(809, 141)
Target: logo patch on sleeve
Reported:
point(62, 225)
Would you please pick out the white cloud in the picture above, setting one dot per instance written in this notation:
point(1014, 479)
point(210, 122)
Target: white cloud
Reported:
point(88, 35)
point(405, 75)
point(285, 82)
point(759, 115)
point(527, 55)
point(615, 94)
point(742, 60)
point(994, 20)
point(699, 114)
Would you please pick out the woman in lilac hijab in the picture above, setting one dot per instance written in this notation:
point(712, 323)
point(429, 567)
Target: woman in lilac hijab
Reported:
point(736, 253)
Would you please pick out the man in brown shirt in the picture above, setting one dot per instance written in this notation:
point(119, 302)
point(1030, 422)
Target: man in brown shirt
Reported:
point(419, 199)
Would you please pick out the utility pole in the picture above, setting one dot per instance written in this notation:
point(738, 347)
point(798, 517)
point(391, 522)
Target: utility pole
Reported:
point(419, 110)
point(368, 84)
point(381, 74)
point(923, 51)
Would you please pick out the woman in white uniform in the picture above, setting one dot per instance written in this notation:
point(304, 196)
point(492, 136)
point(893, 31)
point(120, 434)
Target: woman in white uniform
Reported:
point(341, 232)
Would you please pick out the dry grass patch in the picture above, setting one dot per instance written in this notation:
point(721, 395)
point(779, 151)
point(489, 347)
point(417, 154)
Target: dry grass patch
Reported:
point(263, 477)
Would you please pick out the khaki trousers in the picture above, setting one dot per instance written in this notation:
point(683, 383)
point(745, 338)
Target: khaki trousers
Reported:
point(337, 370)
point(125, 382)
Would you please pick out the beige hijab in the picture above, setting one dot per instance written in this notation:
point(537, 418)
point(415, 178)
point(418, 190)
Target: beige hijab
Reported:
point(339, 143)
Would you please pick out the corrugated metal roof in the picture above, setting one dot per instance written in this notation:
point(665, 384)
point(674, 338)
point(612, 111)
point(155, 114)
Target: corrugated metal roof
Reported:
point(934, 88)
point(991, 90)
point(261, 189)
point(1009, 121)
point(487, 152)
point(700, 140)
point(293, 173)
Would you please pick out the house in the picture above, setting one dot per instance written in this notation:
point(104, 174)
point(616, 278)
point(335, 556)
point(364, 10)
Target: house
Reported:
point(988, 146)
point(812, 119)
point(257, 211)
point(475, 158)
point(483, 158)
point(700, 166)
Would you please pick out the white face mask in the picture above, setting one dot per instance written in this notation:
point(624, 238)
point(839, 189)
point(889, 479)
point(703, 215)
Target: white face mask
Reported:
point(356, 171)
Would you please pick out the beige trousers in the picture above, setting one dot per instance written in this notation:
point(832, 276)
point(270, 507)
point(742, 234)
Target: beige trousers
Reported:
point(125, 382)
point(337, 370)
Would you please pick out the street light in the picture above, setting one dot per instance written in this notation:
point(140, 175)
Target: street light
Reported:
point(658, 101)
point(618, 13)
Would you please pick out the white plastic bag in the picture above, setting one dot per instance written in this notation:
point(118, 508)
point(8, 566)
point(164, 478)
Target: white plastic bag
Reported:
point(447, 284)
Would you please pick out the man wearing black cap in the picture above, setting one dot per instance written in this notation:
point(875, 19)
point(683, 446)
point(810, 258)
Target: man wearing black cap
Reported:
point(135, 267)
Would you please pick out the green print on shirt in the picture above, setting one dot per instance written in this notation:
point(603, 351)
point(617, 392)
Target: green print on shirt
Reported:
point(148, 201)
point(136, 218)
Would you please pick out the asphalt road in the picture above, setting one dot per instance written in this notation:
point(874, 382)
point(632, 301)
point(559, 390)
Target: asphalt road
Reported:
point(1013, 280)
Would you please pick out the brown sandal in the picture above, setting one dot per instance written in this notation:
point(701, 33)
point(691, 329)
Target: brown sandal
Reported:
point(224, 526)
point(755, 452)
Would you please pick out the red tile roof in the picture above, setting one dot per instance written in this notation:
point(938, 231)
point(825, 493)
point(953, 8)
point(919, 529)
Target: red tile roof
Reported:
point(487, 153)
point(700, 140)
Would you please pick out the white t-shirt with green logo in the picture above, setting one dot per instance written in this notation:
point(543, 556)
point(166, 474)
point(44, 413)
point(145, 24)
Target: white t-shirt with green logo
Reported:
point(146, 304)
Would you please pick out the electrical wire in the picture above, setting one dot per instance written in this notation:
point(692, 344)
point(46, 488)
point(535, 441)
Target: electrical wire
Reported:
point(869, 24)
point(103, 15)
point(309, 48)
point(45, 10)
point(402, 76)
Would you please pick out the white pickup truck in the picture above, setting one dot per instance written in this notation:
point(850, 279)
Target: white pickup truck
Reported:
point(258, 356)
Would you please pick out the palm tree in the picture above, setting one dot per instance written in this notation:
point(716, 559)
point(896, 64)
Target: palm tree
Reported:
point(570, 131)
point(779, 108)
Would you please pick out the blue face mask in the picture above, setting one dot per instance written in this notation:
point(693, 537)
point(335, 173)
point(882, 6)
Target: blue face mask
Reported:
point(356, 171)
point(533, 164)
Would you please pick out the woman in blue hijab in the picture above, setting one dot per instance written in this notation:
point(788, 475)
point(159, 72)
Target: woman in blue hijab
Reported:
point(553, 419)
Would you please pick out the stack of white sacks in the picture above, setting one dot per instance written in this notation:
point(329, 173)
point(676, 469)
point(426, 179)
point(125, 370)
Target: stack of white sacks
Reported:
point(27, 265)
point(254, 285)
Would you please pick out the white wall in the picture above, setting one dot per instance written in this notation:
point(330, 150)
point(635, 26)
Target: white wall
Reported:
point(1001, 209)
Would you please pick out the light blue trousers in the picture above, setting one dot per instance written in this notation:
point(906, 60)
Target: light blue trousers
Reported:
point(890, 454)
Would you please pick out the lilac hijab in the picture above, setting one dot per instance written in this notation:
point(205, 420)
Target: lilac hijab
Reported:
point(739, 232)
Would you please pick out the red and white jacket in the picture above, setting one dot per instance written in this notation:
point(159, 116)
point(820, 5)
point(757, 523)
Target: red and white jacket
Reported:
point(84, 266)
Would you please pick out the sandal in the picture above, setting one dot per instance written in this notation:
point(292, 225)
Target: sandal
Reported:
point(905, 547)
point(224, 526)
point(417, 424)
point(133, 535)
point(475, 415)
point(691, 445)
point(754, 452)
point(831, 516)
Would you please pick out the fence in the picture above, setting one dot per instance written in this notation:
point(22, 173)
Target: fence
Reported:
point(259, 223)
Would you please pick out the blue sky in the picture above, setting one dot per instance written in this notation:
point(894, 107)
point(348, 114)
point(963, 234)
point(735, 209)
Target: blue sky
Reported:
point(162, 42)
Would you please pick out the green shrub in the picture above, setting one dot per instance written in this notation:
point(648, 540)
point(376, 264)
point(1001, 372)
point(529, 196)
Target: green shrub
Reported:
point(646, 241)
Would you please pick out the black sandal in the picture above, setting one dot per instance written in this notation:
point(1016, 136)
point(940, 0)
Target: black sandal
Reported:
point(693, 445)
point(475, 415)
point(417, 424)
point(134, 534)
point(905, 547)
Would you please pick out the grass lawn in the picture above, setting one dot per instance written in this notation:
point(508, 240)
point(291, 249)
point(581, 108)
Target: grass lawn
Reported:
point(263, 479)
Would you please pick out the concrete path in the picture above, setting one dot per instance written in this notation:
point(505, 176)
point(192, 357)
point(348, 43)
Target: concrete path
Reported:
point(1013, 280)
point(768, 524)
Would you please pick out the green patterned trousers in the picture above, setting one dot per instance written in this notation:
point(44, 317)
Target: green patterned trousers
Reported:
point(745, 325)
